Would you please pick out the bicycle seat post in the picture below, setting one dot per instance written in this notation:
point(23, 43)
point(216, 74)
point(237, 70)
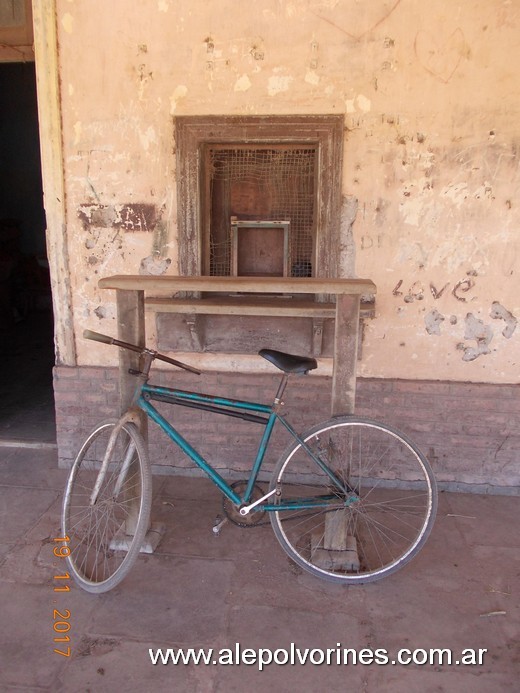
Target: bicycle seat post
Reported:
point(281, 389)
point(147, 357)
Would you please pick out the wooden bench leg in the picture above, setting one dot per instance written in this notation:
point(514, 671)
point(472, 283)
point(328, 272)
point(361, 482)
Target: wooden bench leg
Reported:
point(346, 339)
point(131, 328)
point(337, 549)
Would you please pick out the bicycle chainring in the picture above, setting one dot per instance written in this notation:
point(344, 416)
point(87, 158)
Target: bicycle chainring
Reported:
point(255, 517)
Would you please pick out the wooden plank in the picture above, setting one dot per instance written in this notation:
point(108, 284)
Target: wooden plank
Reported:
point(345, 355)
point(226, 306)
point(243, 334)
point(307, 285)
point(281, 307)
point(336, 531)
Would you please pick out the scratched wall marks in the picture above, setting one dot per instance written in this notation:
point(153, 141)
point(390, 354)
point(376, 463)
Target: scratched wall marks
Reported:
point(417, 290)
point(441, 54)
point(351, 18)
point(475, 329)
point(453, 231)
point(430, 165)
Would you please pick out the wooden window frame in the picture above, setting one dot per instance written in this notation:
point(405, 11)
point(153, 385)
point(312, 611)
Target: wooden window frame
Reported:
point(20, 34)
point(193, 133)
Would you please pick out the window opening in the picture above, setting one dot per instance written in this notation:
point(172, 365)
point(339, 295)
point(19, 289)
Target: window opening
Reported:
point(274, 189)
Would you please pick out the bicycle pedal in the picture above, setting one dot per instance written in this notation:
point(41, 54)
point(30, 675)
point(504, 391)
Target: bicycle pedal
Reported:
point(218, 524)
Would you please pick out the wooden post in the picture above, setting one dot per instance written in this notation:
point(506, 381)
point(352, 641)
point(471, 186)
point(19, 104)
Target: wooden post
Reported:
point(339, 549)
point(346, 339)
point(52, 167)
point(130, 328)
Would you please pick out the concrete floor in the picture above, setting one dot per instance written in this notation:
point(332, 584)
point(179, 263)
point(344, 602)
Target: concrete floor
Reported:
point(199, 590)
point(26, 393)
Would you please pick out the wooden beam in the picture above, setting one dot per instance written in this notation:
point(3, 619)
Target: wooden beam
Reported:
point(258, 285)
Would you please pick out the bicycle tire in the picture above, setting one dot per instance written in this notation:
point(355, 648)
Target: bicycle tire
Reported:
point(100, 552)
point(389, 522)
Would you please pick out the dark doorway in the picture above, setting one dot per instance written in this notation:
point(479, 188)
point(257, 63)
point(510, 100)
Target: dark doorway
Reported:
point(26, 321)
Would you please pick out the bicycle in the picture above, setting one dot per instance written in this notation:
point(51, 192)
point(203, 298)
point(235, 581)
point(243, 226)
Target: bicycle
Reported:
point(351, 500)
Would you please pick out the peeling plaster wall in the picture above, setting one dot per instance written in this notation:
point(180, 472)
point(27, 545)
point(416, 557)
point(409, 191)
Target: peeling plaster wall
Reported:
point(430, 96)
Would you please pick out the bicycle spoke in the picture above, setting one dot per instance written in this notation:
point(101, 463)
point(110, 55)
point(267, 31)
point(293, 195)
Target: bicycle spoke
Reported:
point(382, 526)
point(95, 530)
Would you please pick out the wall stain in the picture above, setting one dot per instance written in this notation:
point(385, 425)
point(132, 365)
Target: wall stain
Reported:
point(433, 322)
point(100, 312)
point(498, 312)
point(475, 329)
point(154, 265)
point(483, 334)
point(128, 217)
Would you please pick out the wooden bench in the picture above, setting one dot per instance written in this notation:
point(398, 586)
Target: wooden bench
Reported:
point(253, 296)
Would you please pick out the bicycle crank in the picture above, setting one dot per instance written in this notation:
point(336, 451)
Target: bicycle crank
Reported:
point(246, 509)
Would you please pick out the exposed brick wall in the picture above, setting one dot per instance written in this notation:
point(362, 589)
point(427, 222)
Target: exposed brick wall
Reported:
point(469, 432)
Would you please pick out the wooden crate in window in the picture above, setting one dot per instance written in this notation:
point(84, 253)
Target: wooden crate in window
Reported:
point(259, 248)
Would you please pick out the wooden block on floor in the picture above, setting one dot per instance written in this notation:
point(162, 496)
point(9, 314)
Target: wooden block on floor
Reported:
point(336, 531)
point(346, 558)
point(121, 541)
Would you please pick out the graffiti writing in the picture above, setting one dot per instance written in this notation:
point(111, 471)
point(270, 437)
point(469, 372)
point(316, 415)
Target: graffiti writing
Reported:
point(417, 290)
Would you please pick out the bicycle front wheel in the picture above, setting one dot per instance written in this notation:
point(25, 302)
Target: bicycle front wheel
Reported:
point(106, 508)
point(363, 510)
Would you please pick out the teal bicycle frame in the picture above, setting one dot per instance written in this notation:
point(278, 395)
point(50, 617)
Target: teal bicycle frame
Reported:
point(248, 411)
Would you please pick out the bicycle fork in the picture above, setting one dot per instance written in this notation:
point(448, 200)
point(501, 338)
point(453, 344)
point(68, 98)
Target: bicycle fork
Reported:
point(128, 417)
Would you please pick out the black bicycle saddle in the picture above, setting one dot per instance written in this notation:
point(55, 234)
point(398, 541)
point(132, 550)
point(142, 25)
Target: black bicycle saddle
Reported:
point(287, 362)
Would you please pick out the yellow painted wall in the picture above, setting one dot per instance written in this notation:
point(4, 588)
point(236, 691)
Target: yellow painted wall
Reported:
point(430, 96)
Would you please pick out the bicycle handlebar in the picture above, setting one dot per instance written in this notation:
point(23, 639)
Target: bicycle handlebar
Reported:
point(105, 339)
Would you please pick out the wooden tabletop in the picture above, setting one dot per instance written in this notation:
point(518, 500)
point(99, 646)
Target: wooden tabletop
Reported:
point(297, 285)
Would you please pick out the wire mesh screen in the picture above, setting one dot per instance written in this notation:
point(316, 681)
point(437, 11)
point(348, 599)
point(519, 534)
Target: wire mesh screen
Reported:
point(261, 183)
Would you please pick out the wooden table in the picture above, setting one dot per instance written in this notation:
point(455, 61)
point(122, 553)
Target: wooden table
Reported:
point(131, 296)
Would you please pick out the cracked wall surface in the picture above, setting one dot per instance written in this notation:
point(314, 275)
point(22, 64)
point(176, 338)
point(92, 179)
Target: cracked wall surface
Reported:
point(431, 170)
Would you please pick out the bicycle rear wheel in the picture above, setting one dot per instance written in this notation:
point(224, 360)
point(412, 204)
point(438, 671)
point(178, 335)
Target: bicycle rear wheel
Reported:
point(106, 528)
point(371, 519)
